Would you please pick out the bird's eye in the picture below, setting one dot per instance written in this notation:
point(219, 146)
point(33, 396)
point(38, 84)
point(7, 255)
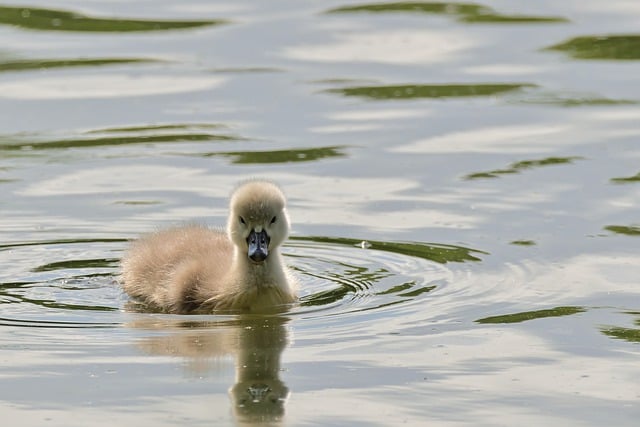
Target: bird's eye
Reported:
point(273, 220)
point(242, 221)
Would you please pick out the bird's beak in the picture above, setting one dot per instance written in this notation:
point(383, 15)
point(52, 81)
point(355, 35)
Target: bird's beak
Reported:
point(258, 242)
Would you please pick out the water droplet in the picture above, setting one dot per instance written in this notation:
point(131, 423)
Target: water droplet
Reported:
point(364, 244)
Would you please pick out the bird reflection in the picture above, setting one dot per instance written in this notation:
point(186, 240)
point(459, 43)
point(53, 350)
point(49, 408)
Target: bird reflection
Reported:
point(255, 342)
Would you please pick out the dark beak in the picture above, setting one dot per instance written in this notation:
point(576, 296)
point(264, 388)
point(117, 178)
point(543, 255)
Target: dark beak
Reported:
point(258, 245)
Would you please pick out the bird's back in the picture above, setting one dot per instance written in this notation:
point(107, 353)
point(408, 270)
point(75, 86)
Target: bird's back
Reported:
point(167, 267)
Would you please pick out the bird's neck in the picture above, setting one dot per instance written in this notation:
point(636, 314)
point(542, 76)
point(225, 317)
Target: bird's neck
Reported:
point(267, 273)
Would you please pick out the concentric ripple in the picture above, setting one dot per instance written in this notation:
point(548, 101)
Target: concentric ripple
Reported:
point(60, 284)
point(343, 276)
point(72, 283)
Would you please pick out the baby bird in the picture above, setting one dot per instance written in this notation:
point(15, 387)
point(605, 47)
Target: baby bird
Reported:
point(193, 268)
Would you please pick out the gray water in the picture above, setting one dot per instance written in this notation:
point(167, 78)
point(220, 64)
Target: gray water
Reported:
point(463, 182)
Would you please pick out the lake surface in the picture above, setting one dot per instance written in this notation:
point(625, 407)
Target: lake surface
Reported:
point(463, 182)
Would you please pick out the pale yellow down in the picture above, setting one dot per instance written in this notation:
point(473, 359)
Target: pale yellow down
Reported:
point(193, 268)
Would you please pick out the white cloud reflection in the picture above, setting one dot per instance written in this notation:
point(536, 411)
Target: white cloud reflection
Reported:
point(103, 86)
point(408, 46)
point(498, 139)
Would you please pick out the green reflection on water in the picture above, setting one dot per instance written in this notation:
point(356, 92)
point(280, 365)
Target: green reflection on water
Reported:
point(4, 321)
point(80, 263)
point(627, 179)
point(629, 230)
point(154, 128)
point(59, 20)
point(327, 297)
point(37, 64)
point(627, 334)
point(397, 289)
point(523, 242)
point(338, 294)
point(352, 280)
point(523, 165)
point(9, 246)
point(413, 91)
point(433, 252)
point(417, 292)
point(281, 156)
point(113, 141)
point(531, 315)
point(570, 100)
point(616, 47)
point(464, 12)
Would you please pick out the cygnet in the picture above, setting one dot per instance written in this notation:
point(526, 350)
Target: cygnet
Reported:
point(194, 268)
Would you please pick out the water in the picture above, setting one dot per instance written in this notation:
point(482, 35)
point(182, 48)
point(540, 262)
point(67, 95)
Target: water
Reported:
point(463, 187)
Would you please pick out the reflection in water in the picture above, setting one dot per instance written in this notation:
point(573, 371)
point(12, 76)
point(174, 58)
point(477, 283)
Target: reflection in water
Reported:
point(433, 252)
point(629, 230)
point(355, 276)
point(523, 242)
point(616, 47)
point(413, 91)
point(621, 333)
point(156, 128)
point(131, 135)
point(531, 315)
point(58, 20)
point(255, 342)
point(422, 361)
point(465, 12)
point(627, 179)
point(39, 64)
point(418, 46)
point(523, 165)
point(103, 86)
point(280, 156)
point(78, 263)
point(513, 139)
point(568, 99)
point(112, 141)
point(10, 246)
point(628, 334)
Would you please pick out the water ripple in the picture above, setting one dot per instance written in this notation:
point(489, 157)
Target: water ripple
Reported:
point(74, 285)
point(61, 20)
point(344, 276)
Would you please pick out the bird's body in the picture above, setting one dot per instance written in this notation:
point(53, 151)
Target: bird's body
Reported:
point(193, 268)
